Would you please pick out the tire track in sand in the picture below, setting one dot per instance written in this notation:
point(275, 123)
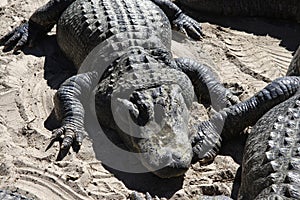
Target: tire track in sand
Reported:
point(45, 185)
point(262, 59)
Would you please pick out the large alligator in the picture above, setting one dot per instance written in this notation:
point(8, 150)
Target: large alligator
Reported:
point(271, 163)
point(122, 51)
point(287, 9)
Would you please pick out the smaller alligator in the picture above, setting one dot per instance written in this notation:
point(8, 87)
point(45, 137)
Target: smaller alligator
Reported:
point(271, 163)
point(281, 9)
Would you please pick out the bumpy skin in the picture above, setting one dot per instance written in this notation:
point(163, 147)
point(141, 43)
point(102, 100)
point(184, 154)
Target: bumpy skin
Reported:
point(287, 9)
point(294, 68)
point(271, 165)
point(122, 51)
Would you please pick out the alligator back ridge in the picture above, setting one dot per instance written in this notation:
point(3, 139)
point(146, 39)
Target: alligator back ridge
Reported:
point(88, 23)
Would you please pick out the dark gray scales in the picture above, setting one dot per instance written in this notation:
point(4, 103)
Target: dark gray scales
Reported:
point(271, 163)
point(122, 51)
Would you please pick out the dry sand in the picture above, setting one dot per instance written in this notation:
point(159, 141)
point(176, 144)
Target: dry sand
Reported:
point(245, 53)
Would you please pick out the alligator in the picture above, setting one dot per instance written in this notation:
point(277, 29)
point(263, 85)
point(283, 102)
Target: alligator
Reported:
point(271, 162)
point(287, 9)
point(121, 49)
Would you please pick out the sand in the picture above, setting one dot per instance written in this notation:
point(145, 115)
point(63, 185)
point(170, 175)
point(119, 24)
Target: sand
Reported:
point(245, 53)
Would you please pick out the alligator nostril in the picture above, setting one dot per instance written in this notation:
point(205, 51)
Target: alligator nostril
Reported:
point(176, 158)
point(176, 167)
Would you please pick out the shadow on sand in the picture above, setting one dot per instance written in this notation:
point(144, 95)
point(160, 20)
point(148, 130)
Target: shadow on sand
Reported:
point(286, 31)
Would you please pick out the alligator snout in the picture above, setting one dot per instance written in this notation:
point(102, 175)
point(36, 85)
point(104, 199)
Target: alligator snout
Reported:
point(167, 153)
point(177, 166)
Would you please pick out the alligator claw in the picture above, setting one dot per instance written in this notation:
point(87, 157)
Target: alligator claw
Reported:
point(16, 39)
point(22, 42)
point(231, 98)
point(189, 26)
point(68, 135)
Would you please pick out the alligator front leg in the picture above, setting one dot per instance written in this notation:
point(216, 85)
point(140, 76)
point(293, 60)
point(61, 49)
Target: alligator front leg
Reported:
point(179, 20)
point(39, 24)
point(69, 108)
point(229, 122)
point(207, 87)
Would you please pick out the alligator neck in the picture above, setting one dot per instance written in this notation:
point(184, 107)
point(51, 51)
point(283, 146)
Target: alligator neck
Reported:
point(139, 58)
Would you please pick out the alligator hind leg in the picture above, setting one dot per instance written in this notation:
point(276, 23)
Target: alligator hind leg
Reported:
point(179, 20)
point(69, 101)
point(230, 121)
point(41, 22)
point(207, 87)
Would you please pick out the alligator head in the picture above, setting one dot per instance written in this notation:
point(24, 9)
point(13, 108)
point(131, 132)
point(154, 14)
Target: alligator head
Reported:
point(154, 123)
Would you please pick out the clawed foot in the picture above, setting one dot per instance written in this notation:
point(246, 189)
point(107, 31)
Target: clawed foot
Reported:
point(232, 98)
point(27, 33)
point(16, 39)
point(68, 135)
point(188, 26)
point(225, 100)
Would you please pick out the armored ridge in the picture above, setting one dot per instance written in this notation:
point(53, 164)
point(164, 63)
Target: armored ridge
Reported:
point(287, 9)
point(271, 159)
point(114, 25)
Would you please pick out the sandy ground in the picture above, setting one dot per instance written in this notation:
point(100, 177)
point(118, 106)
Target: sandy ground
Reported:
point(245, 53)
